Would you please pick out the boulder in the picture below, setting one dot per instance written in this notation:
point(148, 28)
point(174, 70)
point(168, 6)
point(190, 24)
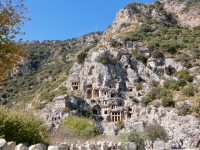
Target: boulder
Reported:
point(37, 147)
point(11, 145)
point(57, 148)
point(21, 147)
point(3, 144)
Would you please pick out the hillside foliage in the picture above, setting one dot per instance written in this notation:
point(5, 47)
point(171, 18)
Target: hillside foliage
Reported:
point(21, 126)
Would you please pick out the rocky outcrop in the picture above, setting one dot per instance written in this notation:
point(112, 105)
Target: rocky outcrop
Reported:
point(190, 18)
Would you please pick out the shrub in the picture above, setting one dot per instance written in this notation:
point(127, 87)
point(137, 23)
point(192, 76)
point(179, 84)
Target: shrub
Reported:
point(93, 101)
point(197, 70)
point(133, 36)
point(149, 109)
point(152, 94)
point(145, 101)
point(168, 102)
point(169, 47)
point(81, 57)
point(125, 25)
point(113, 43)
point(157, 54)
point(137, 137)
point(66, 109)
point(103, 58)
point(184, 75)
point(80, 126)
point(135, 100)
point(86, 112)
point(155, 132)
point(172, 84)
point(145, 29)
point(139, 87)
point(188, 90)
point(156, 103)
point(140, 57)
point(120, 125)
point(22, 126)
point(187, 110)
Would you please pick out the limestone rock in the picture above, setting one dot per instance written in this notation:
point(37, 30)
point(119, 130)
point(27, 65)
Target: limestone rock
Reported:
point(3, 144)
point(11, 145)
point(57, 148)
point(21, 147)
point(37, 147)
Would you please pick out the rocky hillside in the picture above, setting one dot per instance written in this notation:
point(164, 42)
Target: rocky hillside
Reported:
point(144, 69)
point(44, 70)
point(187, 14)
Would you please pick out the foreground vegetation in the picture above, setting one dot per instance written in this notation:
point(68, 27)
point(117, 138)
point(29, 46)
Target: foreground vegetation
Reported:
point(151, 133)
point(83, 127)
point(21, 126)
point(48, 66)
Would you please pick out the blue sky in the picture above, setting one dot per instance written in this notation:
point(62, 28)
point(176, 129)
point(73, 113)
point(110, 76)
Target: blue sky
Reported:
point(64, 19)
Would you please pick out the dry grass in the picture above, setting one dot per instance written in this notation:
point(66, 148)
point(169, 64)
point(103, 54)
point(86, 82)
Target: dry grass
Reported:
point(65, 136)
point(110, 138)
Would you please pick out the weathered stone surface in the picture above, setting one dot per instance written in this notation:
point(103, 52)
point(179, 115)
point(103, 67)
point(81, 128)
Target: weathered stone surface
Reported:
point(57, 148)
point(3, 144)
point(37, 147)
point(11, 145)
point(21, 147)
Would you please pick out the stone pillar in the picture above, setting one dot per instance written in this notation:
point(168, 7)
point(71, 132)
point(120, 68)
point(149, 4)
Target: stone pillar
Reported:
point(92, 93)
point(100, 93)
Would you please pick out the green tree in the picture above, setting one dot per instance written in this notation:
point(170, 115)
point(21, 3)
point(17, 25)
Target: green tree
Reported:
point(155, 132)
point(12, 16)
point(81, 57)
point(137, 137)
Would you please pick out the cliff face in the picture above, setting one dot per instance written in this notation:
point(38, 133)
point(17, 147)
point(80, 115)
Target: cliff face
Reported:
point(144, 70)
point(189, 18)
point(119, 74)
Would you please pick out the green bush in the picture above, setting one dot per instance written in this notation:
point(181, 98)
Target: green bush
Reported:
point(81, 57)
point(135, 100)
point(188, 90)
point(120, 125)
point(103, 58)
point(137, 137)
point(140, 57)
point(125, 25)
point(132, 5)
point(156, 103)
point(182, 73)
point(113, 43)
point(132, 36)
point(157, 54)
point(80, 126)
point(155, 132)
point(22, 126)
point(139, 87)
point(185, 75)
point(145, 101)
point(186, 110)
point(172, 84)
point(157, 93)
point(86, 112)
point(168, 102)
